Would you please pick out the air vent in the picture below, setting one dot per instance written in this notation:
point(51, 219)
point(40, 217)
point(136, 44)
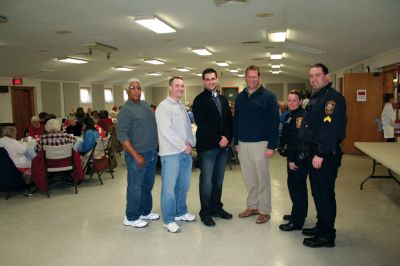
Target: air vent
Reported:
point(251, 42)
point(222, 3)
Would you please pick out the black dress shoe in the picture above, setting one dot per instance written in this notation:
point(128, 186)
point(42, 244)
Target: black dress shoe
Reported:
point(222, 214)
point(286, 217)
point(310, 231)
point(207, 220)
point(318, 242)
point(290, 227)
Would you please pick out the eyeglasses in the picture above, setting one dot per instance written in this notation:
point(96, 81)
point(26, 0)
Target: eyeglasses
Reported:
point(134, 87)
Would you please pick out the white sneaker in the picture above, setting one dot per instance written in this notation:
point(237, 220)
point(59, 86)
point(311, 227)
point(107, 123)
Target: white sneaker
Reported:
point(137, 223)
point(186, 217)
point(172, 227)
point(150, 216)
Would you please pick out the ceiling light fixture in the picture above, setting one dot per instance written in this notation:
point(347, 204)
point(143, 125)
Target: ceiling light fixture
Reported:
point(153, 61)
point(304, 48)
point(198, 74)
point(277, 36)
point(201, 51)
point(72, 60)
point(154, 23)
point(122, 68)
point(276, 66)
point(183, 69)
point(276, 56)
point(275, 72)
point(240, 75)
point(154, 74)
point(233, 70)
point(222, 64)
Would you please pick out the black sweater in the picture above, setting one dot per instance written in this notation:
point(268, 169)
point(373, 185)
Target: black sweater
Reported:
point(210, 125)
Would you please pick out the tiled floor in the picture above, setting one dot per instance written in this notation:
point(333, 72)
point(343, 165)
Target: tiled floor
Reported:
point(86, 229)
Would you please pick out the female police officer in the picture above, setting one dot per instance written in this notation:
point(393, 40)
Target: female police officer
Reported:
point(296, 164)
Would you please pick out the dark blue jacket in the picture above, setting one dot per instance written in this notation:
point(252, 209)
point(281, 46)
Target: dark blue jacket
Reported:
point(324, 122)
point(256, 117)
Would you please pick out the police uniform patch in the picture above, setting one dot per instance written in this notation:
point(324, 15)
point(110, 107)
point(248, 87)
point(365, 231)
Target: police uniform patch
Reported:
point(298, 121)
point(327, 119)
point(329, 106)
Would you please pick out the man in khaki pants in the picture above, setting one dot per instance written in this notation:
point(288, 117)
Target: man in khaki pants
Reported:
point(256, 134)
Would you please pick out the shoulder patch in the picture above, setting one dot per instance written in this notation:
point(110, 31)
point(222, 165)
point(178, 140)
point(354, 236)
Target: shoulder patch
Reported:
point(329, 106)
point(298, 121)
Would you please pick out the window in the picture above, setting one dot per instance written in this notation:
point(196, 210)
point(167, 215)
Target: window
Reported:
point(108, 96)
point(85, 95)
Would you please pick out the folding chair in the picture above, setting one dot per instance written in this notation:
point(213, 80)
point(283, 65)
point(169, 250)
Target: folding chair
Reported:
point(101, 151)
point(59, 163)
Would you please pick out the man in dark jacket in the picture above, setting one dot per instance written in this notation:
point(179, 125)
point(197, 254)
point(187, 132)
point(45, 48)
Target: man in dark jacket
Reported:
point(214, 132)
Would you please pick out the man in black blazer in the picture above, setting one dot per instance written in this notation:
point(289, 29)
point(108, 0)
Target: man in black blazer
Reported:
point(214, 132)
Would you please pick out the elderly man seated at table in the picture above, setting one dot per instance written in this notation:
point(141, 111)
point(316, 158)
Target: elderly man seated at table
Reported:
point(16, 150)
point(36, 129)
point(54, 137)
point(89, 137)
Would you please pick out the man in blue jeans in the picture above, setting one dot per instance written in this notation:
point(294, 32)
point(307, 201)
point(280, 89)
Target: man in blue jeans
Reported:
point(176, 141)
point(137, 131)
point(214, 132)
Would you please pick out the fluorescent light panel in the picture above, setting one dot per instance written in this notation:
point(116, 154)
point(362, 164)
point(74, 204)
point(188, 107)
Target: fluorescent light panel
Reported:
point(233, 70)
point(240, 75)
point(278, 36)
point(183, 69)
point(154, 61)
point(72, 60)
point(201, 51)
point(275, 72)
point(222, 64)
point(198, 74)
point(275, 66)
point(276, 56)
point(154, 74)
point(155, 24)
point(122, 68)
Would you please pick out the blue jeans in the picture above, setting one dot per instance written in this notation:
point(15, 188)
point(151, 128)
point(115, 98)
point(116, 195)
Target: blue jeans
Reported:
point(175, 173)
point(212, 167)
point(140, 183)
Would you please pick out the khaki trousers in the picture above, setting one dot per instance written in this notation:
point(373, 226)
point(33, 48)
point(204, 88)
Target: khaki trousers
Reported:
point(255, 172)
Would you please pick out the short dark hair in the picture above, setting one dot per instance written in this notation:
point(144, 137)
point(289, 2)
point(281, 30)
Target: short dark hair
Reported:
point(174, 78)
point(89, 123)
point(208, 71)
point(253, 68)
point(296, 92)
point(321, 66)
point(387, 97)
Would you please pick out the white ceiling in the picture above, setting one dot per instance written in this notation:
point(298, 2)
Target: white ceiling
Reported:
point(349, 31)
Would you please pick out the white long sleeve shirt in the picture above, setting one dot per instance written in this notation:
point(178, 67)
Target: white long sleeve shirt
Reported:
point(173, 126)
point(388, 116)
point(16, 150)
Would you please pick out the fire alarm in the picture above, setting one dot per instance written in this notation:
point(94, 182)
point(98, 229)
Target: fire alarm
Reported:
point(17, 81)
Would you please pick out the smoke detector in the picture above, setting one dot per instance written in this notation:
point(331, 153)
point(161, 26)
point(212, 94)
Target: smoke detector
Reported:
point(222, 3)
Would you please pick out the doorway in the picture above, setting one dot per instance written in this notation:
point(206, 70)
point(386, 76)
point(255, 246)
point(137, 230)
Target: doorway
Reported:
point(23, 108)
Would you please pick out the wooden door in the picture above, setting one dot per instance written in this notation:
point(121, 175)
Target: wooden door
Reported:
point(230, 93)
point(23, 107)
point(361, 115)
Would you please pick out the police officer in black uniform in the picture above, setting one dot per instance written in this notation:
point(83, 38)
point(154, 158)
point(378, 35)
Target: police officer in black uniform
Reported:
point(296, 163)
point(322, 131)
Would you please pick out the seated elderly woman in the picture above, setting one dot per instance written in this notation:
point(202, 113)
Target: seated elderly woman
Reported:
point(74, 127)
point(16, 150)
point(89, 137)
point(54, 137)
point(36, 129)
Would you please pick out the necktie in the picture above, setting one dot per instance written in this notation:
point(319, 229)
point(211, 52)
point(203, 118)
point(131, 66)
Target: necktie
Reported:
point(217, 103)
